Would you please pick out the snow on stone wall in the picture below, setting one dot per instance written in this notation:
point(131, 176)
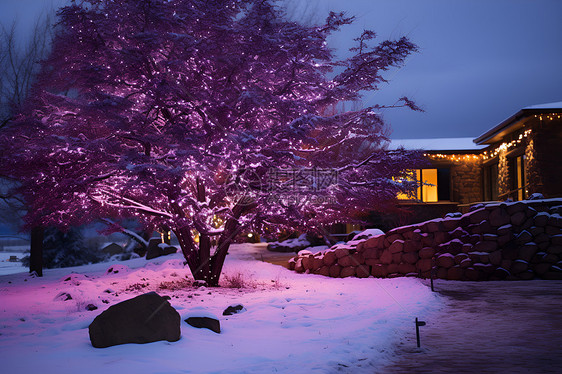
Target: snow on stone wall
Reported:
point(516, 240)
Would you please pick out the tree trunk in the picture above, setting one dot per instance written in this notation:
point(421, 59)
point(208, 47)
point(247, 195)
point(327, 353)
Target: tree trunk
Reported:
point(203, 270)
point(231, 230)
point(36, 251)
point(188, 249)
point(203, 266)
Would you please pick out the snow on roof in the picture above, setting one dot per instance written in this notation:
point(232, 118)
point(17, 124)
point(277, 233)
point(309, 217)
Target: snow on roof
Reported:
point(556, 105)
point(513, 122)
point(439, 144)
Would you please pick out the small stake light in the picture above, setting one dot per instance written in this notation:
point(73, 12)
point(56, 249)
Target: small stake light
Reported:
point(432, 272)
point(431, 279)
point(418, 324)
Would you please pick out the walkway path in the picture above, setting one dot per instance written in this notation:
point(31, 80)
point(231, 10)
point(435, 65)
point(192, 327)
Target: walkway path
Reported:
point(489, 327)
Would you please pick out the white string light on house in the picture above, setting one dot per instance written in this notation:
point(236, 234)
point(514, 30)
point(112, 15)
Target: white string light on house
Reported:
point(453, 157)
point(505, 146)
point(486, 155)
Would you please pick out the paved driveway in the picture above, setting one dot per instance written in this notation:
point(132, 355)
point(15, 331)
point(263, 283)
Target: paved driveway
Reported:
point(489, 327)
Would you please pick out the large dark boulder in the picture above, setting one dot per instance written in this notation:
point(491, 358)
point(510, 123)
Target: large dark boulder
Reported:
point(144, 319)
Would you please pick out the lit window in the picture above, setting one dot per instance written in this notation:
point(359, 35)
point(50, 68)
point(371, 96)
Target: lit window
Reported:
point(429, 187)
point(410, 175)
point(429, 190)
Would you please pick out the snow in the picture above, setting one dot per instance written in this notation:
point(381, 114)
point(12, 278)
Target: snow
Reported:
point(366, 234)
point(136, 236)
point(7, 267)
point(556, 105)
point(292, 322)
point(490, 327)
point(550, 201)
point(293, 243)
point(437, 144)
point(318, 248)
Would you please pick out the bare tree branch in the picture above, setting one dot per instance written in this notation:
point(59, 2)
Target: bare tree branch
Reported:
point(19, 63)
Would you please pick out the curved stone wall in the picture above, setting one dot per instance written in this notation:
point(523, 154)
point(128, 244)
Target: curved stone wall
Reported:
point(517, 240)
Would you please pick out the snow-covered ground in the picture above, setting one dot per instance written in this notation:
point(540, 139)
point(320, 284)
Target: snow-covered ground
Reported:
point(293, 323)
point(490, 327)
point(8, 267)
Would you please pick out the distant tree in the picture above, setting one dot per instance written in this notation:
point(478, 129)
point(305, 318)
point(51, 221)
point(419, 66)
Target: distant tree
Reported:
point(19, 63)
point(19, 66)
point(208, 118)
point(66, 248)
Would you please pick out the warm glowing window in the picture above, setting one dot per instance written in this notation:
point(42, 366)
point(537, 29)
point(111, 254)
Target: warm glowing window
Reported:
point(519, 180)
point(433, 185)
point(429, 187)
point(412, 175)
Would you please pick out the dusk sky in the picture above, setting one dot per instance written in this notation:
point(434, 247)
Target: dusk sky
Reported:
point(479, 61)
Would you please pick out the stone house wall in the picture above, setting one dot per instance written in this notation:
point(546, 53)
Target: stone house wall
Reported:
point(547, 143)
point(543, 152)
point(466, 186)
point(466, 175)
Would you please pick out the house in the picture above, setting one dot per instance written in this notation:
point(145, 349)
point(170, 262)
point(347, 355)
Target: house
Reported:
point(520, 156)
point(523, 154)
point(452, 178)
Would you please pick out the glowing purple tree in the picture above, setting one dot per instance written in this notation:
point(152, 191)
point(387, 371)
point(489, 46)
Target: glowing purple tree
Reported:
point(207, 118)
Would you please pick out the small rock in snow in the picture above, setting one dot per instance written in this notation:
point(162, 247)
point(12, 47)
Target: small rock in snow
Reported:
point(91, 307)
point(205, 323)
point(63, 296)
point(233, 309)
point(115, 269)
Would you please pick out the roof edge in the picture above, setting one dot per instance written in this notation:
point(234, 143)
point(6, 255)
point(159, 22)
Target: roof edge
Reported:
point(482, 139)
point(510, 121)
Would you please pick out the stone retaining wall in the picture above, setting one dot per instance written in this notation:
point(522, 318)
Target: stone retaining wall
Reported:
point(519, 240)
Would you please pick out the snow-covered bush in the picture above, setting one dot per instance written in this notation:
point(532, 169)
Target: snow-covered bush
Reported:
point(290, 245)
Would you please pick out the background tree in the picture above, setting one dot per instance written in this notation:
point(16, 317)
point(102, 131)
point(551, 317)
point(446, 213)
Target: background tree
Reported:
point(207, 117)
point(19, 66)
point(63, 249)
point(19, 63)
